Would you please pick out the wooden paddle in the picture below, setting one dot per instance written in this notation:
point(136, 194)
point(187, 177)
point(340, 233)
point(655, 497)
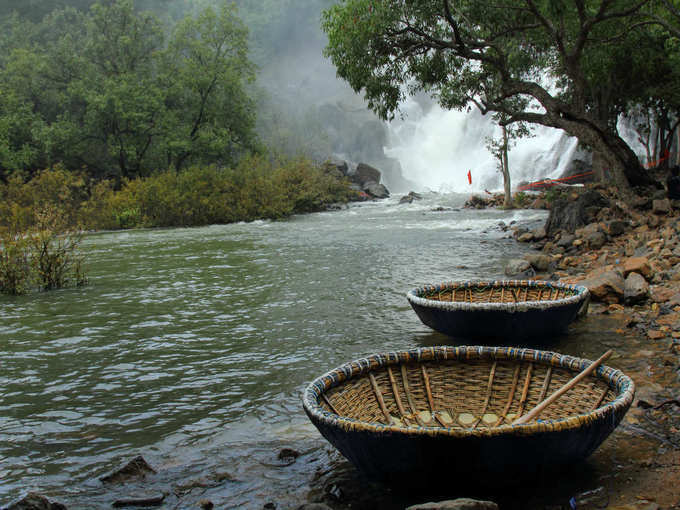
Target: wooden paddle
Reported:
point(533, 414)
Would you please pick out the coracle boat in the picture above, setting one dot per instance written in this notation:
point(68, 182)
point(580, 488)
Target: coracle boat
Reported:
point(503, 311)
point(436, 412)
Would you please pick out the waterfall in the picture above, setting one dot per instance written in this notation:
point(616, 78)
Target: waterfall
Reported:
point(436, 148)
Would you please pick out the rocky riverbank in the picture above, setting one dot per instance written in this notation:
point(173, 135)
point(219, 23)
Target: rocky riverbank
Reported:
point(627, 254)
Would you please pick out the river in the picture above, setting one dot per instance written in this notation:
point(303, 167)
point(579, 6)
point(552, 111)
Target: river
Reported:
point(192, 346)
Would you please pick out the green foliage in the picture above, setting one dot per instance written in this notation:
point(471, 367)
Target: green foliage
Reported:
point(256, 188)
point(107, 91)
point(521, 199)
point(46, 256)
point(497, 57)
point(55, 256)
point(15, 264)
point(552, 195)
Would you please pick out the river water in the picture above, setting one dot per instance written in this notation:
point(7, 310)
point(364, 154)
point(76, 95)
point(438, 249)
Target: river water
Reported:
point(192, 346)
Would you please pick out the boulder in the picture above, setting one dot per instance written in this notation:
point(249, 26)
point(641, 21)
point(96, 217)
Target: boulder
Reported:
point(408, 199)
point(635, 289)
point(590, 228)
point(639, 265)
point(605, 284)
point(526, 237)
point(569, 216)
point(456, 504)
point(661, 206)
point(336, 167)
point(566, 240)
point(376, 190)
point(616, 227)
point(365, 174)
point(136, 469)
point(541, 263)
point(476, 202)
point(519, 269)
point(539, 234)
point(33, 501)
point(539, 203)
point(596, 240)
point(661, 294)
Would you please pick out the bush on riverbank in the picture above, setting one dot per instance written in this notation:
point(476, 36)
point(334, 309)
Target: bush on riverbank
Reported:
point(46, 256)
point(254, 189)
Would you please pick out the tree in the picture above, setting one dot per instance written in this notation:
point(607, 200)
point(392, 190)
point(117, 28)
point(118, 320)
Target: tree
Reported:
point(500, 148)
point(207, 72)
point(102, 90)
point(524, 59)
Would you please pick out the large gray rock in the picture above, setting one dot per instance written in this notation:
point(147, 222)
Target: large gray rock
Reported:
point(336, 167)
point(541, 263)
point(569, 216)
point(617, 227)
point(596, 240)
point(376, 190)
point(365, 174)
point(635, 289)
point(456, 504)
point(566, 240)
point(662, 206)
point(519, 269)
point(589, 229)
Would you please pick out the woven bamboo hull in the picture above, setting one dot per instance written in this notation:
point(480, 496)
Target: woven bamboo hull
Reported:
point(409, 452)
point(498, 326)
point(500, 460)
point(506, 323)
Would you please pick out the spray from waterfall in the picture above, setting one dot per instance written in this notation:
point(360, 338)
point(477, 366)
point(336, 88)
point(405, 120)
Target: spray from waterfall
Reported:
point(437, 148)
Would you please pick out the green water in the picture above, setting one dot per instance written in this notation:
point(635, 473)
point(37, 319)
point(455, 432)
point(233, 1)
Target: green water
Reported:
point(200, 340)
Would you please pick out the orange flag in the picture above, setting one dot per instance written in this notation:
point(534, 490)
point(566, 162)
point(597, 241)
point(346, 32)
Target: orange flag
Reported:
point(470, 177)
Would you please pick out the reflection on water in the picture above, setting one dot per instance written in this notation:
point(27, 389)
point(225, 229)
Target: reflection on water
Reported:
point(192, 346)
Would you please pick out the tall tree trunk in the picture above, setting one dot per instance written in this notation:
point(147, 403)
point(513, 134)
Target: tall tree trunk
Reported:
point(617, 164)
point(507, 202)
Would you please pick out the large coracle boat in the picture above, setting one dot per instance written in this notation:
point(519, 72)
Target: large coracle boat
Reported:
point(503, 312)
point(425, 413)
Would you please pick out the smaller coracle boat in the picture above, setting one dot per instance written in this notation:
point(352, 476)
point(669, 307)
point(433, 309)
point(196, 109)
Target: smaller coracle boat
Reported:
point(457, 412)
point(504, 312)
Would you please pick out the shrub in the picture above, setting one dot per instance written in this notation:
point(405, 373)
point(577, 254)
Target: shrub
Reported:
point(55, 253)
point(257, 188)
point(16, 275)
point(521, 199)
point(47, 256)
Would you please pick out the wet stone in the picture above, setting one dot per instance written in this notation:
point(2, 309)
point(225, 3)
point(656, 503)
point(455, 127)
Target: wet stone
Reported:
point(140, 500)
point(590, 500)
point(33, 501)
point(635, 289)
point(662, 206)
point(518, 268)
point(655, 334)
point(135, 469)
point(456, 504)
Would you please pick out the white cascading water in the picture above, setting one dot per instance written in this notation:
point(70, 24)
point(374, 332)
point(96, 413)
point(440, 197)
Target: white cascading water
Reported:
point(436, 149)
